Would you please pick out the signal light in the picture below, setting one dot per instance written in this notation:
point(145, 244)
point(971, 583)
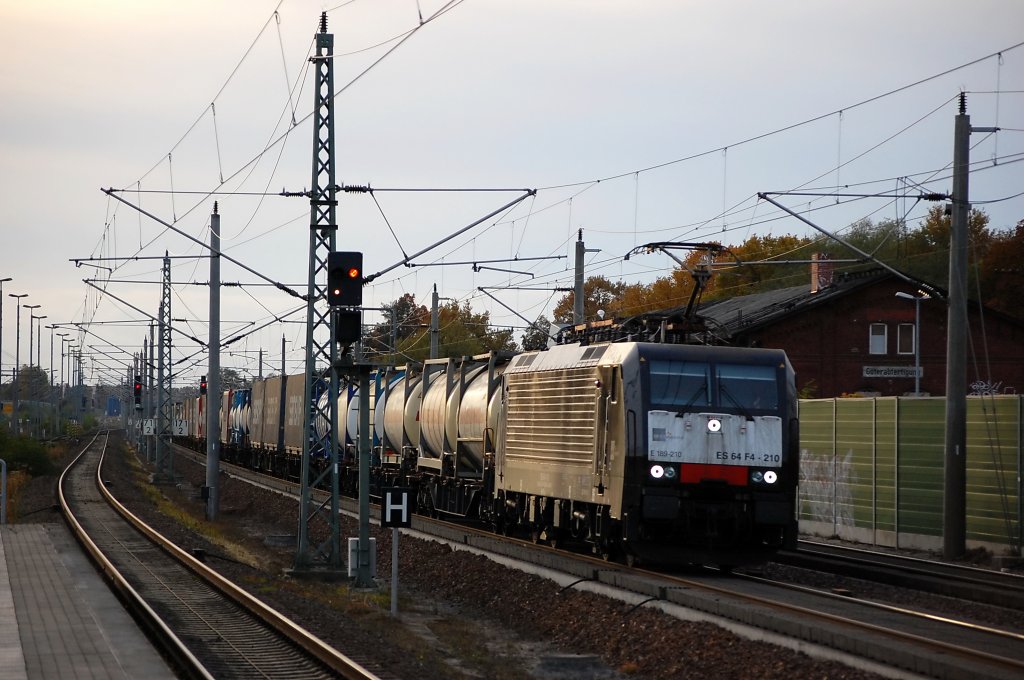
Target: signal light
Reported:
point(138, 391)
point(344, 279)
point(202, 385)
point(348, 326)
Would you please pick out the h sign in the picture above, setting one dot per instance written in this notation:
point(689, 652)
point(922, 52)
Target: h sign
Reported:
point(396, 507)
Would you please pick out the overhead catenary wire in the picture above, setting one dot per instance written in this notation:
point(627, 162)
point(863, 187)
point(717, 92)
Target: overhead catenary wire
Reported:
point(635, 220)
point(792, 126)
point(440, 12)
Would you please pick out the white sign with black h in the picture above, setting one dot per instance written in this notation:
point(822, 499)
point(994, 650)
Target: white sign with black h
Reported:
point(395, 512)
point(396, 507)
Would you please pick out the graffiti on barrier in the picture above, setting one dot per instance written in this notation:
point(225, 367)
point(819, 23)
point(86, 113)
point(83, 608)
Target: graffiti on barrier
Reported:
point(826, 485)
point(987, 388)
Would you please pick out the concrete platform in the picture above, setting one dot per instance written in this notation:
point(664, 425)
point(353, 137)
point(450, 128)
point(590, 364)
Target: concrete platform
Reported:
point(58, 618)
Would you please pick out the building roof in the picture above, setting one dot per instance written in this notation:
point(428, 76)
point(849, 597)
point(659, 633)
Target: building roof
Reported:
point(728, 317)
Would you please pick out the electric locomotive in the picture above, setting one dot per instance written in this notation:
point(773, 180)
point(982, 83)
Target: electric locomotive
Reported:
point(666, 453)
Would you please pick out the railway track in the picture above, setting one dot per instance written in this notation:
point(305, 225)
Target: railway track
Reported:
point(209, 627)
point(885, 635)
point(940, 578)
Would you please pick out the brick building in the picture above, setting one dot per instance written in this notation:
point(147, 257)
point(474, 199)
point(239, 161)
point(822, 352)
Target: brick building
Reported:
point(852, 333)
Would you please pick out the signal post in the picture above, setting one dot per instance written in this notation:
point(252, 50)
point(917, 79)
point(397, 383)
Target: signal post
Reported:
point(345, 297)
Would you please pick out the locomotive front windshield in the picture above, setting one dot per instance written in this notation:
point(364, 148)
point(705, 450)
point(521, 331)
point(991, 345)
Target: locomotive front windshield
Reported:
point(684, 385)
point(748, 387)
point(680, 384)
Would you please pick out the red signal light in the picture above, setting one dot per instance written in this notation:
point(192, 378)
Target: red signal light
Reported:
point(344, 279)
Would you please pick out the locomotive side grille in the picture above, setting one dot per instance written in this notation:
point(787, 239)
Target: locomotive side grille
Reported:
point(552, 417)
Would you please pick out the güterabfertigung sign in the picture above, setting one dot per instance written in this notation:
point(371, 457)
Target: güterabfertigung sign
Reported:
point(892, 372)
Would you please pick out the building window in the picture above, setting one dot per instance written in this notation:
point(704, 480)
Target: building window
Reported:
point(878, 339)
point(905, 338)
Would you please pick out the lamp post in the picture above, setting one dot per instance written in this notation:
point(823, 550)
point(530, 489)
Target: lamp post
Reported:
point(60, 392)
point(71, 364)
point(917, 334)
point(50, 365)
point(63, 347)
point(2, 282)
point(17, 357)
point(53, 405)
point(31, 335)
point(39, 340)
point(39, 364)
point(72, 368)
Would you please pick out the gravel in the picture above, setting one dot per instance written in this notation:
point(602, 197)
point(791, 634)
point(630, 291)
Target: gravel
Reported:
point(461, 615)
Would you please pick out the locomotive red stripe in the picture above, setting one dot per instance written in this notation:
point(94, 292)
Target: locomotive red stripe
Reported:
point(692, 473)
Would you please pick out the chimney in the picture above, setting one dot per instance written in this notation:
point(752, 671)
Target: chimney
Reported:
point(822, 269)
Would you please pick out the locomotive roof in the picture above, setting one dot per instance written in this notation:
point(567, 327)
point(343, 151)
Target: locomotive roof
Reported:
point(576, 355)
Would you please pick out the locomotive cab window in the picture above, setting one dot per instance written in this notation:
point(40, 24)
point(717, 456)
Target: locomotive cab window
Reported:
point(747, 387)
point(680, 383)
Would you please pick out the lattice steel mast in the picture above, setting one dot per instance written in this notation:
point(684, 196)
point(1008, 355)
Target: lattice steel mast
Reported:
point(321, 348)
point(164, 465)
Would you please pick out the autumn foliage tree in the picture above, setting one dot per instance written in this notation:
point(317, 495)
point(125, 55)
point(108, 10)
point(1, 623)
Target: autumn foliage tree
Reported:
point(767, 262)
point(404, 334)
point(1001, 277)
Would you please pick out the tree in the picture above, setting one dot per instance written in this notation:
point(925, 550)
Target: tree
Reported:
point(230, 379)
point(461, 332)
point(33, 384)
point(927, 247)
point(403, 318)
point(748, 277)
point(536, 336)
point(598, 293)
point(1002, 272)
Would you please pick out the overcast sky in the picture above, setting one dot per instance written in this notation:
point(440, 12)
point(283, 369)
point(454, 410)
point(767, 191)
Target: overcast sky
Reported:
point(669, 103)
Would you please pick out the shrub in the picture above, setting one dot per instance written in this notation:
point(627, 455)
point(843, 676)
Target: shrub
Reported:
point(22, 453)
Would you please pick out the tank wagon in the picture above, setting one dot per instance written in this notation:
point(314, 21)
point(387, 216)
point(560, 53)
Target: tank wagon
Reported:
point(659, 452)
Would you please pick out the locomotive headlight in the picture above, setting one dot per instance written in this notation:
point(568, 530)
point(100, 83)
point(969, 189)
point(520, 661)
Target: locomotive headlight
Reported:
point(714, 425)
point(657, 471)
point(670, 472)
point(757, 477)
point(770, 477)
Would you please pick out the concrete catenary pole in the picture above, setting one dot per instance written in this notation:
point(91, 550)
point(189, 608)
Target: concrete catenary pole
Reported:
point(434, 330)
point(2, 282)
point(281, 401)
point(17, 361)
point(150, 396)
point(954, 525)
point(955, 505)
point(213, 393)
point(577, 295)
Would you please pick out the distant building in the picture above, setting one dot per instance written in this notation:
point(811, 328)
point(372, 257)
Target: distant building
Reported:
point(850, 333)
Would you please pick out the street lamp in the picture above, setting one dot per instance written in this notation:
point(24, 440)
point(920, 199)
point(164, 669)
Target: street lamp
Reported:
point(31, 315)
point(51, 370)
point(921, 295)
point(60, 392)
point(17, 357)
point(63, 346)
point(39, 340)
point(2, 282)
